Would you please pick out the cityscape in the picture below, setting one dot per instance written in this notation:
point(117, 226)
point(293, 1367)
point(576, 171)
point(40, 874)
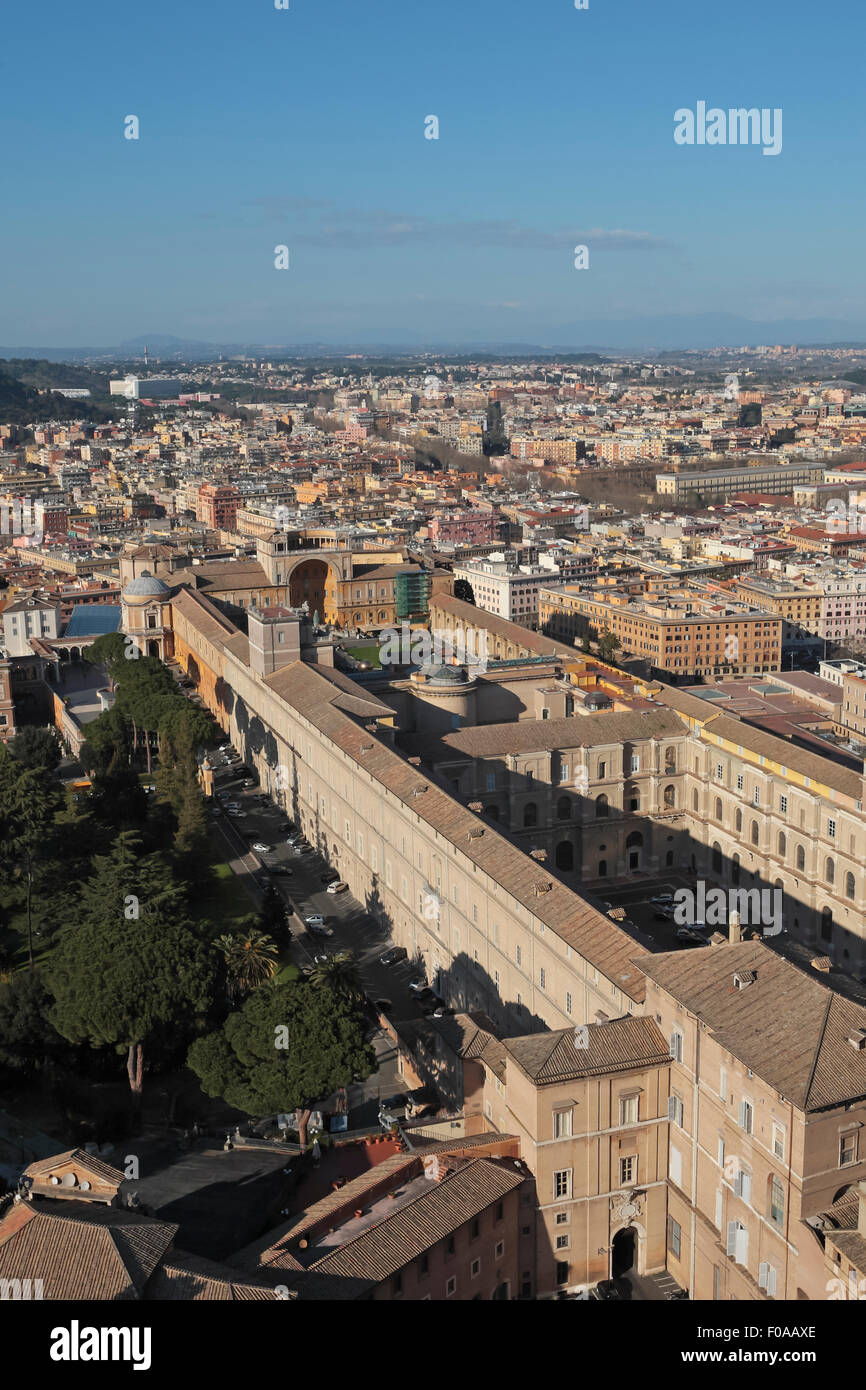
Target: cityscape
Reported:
point(432, 744)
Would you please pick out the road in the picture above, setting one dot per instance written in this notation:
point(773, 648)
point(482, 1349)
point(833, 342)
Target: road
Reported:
point(353, 928)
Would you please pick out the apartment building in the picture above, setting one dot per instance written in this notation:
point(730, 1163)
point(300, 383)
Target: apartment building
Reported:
point(505, 588)
point(676, 630)
point(767, 1107)
point(719, 484)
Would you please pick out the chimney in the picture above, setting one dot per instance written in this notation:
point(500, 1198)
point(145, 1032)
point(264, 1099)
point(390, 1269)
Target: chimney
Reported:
point(735, 935)
point(861, 1208)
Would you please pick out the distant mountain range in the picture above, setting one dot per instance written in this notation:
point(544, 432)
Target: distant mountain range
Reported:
point(651, 332)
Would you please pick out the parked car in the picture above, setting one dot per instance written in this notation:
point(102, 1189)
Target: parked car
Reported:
point(610, 1290)
point(238, 815)
point(261, 848)
point(329, 876)
point(419, 987)
point(688, 936)
point(338, 887)
point(661, 899)
point(248, 782)
point(283, 870)
point(317, 926)
point(392, 956)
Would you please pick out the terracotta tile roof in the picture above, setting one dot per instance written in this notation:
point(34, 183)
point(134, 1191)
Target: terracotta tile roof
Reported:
point(623, 1044)
point(82, 1251)
point(608, 948)
point(379, 1252)
point(478, 617)
point(191, 1279)
point(88, 1163)
point(582, 731)
point(788, 1027)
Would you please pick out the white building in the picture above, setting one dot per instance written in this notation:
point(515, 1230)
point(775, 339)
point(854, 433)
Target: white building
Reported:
point(507, 589)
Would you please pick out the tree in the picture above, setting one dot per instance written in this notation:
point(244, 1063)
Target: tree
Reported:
point(29, 800)
point(608, 645)
point(289, 1046)
point(27, 1038)
point(250, 959)
point(464, 591)
point(273, 918)
point(129, 972)
point(36, 748)
point(341, 972)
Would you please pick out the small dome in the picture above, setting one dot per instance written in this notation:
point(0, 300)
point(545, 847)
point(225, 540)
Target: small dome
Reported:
point(445, 675)
point(146, 586)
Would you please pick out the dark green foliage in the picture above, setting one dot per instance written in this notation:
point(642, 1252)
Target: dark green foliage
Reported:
point(326, 1049)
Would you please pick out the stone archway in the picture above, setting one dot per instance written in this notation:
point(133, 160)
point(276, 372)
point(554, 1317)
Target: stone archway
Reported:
point(308, 582)
point(632, 1245)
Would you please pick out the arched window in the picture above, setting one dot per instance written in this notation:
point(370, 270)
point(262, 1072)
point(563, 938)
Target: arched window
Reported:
point(601, 806)
point(565, 855)
point(563, 808)
point(776, 1200)
point(602, 770)
point(754, 832)
point(738, 821)
point(717, 857)
point(670, 796)
point(801, 857)
point(357, 618)
point(719, 815)
point(849, 886)
point(829, 871)
point(635, 840)
point(530, 814)
point(602, 868)
point(783, 845)
point(826, 924)
point(670, 760)
point(633, 799)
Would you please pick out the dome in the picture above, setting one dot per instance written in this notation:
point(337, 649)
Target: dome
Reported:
point(146, 586)
point(444, 675)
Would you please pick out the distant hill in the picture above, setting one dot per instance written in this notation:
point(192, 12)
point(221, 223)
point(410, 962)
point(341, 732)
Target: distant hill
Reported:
point(44, 375)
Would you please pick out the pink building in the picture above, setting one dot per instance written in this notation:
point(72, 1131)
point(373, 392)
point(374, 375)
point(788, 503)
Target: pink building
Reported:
point(464, 527)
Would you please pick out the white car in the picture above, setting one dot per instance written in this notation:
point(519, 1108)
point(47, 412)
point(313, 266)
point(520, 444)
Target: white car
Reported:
point(262, 848)
point(338, 887)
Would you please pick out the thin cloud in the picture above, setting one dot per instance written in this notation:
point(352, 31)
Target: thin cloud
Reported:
point(319, 222)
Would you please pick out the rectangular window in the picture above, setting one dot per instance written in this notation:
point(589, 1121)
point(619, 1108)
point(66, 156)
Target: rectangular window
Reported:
point(542, 977)
point(562, 1242)
point(779, 1140)
point(562, 1218)
point(721, 1151)
point(783, 805)
point(719, 1200)
point(767, 1277)
point(475, 1269)
point(676, 1047)
point(674, 1237)
point(562, 1268)
point(568, 1003)
point(627, 1171)
point(847, 1149)
point(451, 1286)
point(723, 1083)
point(831, 829)
point(675, 1110)
point(562, 1183)
point(518, 955)
point(739, 781)
point(756, 797)
point(738, 1242)
point(745, 1116)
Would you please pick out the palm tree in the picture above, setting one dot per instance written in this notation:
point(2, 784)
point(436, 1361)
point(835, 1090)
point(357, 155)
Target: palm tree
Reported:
point(340, 971)
point(251, 959)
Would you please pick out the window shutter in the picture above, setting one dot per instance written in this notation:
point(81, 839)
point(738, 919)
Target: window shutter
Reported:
point(738, 1184)
point(731, 1245)
point(746, 1185)
point(719, 1209)
point(672, 1107)
point(771, 1280)
point(673, 1045)
point(763, 1274)
point(741, 1110)
point(741, 1253)
point(676, 1167)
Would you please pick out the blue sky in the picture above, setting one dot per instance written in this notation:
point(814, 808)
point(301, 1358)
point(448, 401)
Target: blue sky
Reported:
point(305, 127)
